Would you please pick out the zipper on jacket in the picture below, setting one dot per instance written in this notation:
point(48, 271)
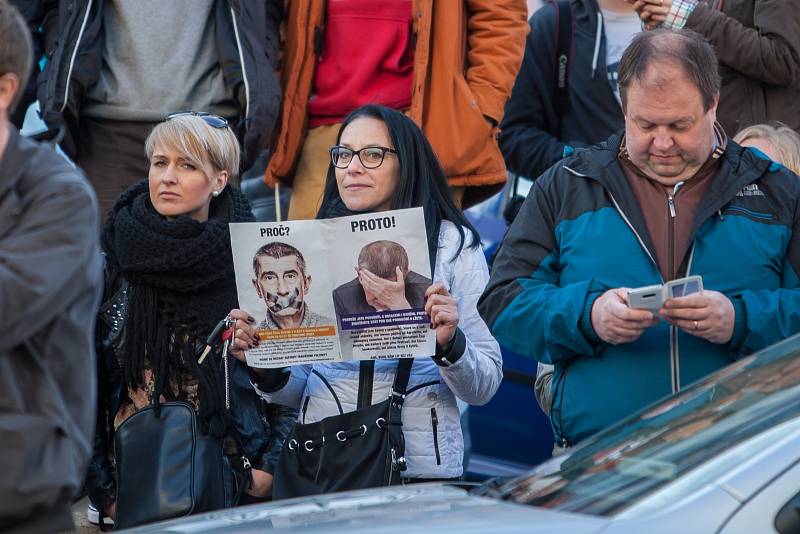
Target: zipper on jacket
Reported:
point(74, 55)
point(241, 61)
point(674, 354)
point(625, 219)
point(671, 228)
point(638, 237)
point(674, 349)
point(435, 425)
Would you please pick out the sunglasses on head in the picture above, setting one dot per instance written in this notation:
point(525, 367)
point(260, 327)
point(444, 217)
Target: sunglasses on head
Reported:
point(215, 121)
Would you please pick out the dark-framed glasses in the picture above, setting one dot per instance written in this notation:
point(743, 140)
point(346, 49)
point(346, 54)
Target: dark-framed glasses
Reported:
point(215, 121)
point(370, 157)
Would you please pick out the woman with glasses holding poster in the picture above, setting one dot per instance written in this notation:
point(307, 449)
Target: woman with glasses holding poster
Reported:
point(168, 281)
point(382, 161)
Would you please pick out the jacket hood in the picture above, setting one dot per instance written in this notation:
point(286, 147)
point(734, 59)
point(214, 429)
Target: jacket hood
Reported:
point(588, 16)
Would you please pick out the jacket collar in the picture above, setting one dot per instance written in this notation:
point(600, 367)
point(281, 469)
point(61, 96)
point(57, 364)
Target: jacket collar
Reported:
point(737, 168)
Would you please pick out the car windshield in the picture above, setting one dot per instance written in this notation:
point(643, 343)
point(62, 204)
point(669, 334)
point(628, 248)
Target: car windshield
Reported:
point(620, 466)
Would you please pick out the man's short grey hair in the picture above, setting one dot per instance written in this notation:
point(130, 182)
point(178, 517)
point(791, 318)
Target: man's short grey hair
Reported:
point(278, 250)
point(381, 258)
point(683, 47)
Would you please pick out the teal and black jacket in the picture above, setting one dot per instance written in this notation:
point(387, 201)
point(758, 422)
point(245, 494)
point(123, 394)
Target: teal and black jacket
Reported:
point(580, 232)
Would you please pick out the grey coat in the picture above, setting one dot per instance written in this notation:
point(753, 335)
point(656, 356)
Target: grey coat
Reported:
point(50, 276)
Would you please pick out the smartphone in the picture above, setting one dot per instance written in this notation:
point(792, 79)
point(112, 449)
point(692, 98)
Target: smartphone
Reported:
point(683, 287)
point(646, 298)
point(652, 297)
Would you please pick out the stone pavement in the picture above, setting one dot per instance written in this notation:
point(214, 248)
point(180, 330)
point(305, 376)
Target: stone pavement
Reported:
point(82, 525)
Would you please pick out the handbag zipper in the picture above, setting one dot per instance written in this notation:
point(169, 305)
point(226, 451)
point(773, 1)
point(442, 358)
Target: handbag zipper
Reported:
point(435, 425)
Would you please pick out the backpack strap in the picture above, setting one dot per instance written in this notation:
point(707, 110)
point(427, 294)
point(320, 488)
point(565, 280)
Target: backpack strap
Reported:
point(565, 31)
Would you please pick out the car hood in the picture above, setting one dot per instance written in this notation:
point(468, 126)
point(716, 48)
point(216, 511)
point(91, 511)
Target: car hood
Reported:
point(420, 507)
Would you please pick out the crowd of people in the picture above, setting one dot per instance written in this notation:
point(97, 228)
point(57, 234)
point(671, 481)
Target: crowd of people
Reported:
point(661, 136)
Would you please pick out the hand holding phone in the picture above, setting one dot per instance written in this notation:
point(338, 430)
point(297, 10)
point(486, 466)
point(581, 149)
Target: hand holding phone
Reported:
point(653, 297)
point(615, 322)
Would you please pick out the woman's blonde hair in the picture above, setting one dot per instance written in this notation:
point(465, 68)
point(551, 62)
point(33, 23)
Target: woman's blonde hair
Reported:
point(786, 142)
point(198, 142)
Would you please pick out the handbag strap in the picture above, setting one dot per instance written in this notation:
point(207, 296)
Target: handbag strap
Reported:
point(402, 376)
point(396, 401)
point(366, 376)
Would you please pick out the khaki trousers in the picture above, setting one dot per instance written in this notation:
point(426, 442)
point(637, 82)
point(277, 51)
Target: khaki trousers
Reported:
point(312, 169)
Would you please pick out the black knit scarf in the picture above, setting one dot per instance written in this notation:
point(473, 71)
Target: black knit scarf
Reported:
point(181, 283)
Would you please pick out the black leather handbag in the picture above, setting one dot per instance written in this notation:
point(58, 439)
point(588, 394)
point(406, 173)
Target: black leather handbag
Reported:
point(360, 449)
point(186, 472)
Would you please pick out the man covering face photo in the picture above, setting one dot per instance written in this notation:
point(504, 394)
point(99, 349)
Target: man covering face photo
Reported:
point(383, 282)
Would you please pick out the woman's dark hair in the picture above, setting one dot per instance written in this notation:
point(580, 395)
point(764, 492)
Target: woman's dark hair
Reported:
point(421, 183)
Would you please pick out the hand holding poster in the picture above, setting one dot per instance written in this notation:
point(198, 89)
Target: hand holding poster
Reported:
point(350, 288)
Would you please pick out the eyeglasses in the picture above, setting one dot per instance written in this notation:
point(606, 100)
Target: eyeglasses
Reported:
point(215, 121)
point(371, 157)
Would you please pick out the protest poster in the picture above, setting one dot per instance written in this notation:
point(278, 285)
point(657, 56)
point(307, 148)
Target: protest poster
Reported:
point(350, 288)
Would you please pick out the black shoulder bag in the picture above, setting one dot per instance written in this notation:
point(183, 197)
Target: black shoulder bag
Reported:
point(360, 449)
point(167, 467)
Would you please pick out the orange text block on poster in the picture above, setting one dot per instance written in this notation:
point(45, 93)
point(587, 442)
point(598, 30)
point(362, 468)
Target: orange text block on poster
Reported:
point(265, 334)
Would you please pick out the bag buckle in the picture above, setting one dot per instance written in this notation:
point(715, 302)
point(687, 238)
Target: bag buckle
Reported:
point(398, 464)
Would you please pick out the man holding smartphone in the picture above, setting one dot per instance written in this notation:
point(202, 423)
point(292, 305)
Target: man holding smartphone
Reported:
point(669, 198)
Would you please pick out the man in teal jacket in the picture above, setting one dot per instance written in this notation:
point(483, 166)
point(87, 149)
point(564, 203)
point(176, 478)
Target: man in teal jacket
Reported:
point(668, 198)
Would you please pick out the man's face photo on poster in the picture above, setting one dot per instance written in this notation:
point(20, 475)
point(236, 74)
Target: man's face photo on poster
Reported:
point(281, 281)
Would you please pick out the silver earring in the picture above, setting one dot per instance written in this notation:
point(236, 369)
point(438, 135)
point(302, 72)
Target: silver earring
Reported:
point(215, 194)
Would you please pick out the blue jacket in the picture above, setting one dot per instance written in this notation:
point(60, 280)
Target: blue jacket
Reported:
point(581, 232)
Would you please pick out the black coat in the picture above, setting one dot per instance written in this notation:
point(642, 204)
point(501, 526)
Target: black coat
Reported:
point(261, 427)
point(247, 39)
point(532, 135)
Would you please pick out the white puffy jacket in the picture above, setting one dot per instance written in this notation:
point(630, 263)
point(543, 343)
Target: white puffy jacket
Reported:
point(431, 424)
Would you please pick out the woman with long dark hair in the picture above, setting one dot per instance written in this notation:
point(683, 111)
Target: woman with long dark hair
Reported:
point(382, 161)
point(168, 281)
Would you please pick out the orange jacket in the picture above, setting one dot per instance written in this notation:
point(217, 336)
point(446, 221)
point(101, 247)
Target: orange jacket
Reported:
point(463, 74)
